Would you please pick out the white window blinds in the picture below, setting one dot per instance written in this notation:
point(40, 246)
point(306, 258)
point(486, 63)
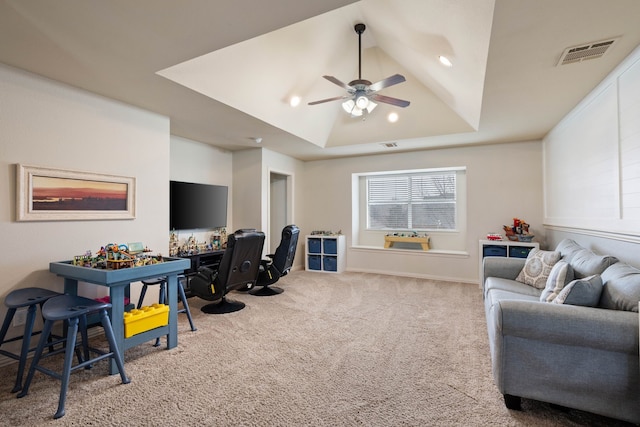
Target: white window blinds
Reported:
point(412, 201)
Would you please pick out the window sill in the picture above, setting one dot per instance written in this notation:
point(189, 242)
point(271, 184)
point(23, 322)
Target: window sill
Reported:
point(416, 252)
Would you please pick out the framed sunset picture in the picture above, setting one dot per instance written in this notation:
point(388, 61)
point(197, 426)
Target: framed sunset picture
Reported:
point(45, 194)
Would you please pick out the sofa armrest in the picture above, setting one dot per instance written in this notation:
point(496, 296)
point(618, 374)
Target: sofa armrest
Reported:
point(610, 330)
point(503, 267)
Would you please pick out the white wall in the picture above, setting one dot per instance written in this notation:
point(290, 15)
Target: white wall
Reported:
point(592, 167)
point(193, 161)
point(503, 181)
point(48, 124)
point(252, 170)
point(248, 190)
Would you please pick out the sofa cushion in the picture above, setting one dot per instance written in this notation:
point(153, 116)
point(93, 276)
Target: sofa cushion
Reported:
point(497, 295)
point(585, 291)
point(568, 248)
point(621, 287)
point(511, 286)
point(584, 262)
point(560, 275)
point(537, 267)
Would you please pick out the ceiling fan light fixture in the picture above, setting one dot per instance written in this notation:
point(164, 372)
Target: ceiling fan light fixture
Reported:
point(358, 106)
point(362, 102)
point(348, 106)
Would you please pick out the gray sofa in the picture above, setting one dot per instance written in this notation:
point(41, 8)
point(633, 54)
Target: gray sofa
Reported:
point(576, 356)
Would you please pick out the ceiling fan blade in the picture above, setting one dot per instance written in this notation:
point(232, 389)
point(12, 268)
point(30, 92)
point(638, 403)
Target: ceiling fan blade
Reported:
point(335, 98)
point(389, 100)
point(338, 82)
point(389, 81)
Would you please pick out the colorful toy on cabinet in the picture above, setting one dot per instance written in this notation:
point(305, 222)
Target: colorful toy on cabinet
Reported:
point(518, 232)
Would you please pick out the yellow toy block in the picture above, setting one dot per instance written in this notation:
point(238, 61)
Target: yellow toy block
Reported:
point(145, 318)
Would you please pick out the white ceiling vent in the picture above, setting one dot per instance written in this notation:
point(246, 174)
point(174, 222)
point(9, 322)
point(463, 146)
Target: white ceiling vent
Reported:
point(586, 51)
point(389, 144)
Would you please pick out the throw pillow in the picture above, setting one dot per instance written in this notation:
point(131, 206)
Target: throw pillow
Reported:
point(581, 292)
point(560, 275)
point(621, 288)
point(537, 267)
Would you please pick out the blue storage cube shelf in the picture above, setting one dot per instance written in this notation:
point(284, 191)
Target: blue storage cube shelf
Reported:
point(330, 246)
point(315, 262)
point(315, 246)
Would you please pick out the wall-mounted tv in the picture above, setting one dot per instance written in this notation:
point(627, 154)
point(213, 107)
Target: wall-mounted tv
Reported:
point(195, 206)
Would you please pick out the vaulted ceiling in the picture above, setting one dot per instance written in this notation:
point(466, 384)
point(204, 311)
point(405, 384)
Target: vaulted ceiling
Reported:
point(224, 72)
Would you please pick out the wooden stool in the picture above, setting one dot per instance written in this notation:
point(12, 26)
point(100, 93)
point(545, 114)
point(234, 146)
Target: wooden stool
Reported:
point(162, 297)
point(73, 310)
point(26, 297)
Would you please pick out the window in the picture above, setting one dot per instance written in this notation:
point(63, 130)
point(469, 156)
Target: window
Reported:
point(425, 200)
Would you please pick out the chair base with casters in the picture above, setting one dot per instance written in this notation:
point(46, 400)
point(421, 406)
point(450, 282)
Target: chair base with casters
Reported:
point(268, 275)
point(224, 306)
point(203, 284)
point(238, 269)
point(73, 310)
point(162, 298)
point(278, 264)
point(20, 298)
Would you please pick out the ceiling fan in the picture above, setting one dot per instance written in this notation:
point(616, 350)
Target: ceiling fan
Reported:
point(362, 93)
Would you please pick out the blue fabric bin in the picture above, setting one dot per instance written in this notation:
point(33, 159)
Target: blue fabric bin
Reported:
point(315, 246)
point(494, 250)
point(331, 246)
point(314, 262)
point(330, 263)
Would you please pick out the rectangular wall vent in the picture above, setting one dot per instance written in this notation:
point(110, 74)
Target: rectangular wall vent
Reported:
point(583, 52)
point(390, 144)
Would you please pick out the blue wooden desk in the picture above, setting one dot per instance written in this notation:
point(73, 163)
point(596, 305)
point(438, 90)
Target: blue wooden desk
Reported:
point(118, 282)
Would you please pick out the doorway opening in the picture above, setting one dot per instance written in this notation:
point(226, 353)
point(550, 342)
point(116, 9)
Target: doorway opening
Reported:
point(280, 206)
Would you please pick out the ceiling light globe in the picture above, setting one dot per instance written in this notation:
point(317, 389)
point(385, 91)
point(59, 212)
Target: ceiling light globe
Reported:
point(392, 117)
point(294, 101)
point(362, 102)
point(347, 106)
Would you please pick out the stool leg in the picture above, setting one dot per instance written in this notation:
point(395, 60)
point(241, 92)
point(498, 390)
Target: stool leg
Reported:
point(46, 330)
point(3, 333)
point(7, 322)
point(72, 331)
point(143, 292)
point(162, 297)
point(26, 343)
point(85, 339)
point(185, 304)
point(108, 332)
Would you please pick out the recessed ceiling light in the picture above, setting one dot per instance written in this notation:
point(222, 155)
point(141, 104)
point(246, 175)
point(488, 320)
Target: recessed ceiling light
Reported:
point(445, 61)
point(294, 101)
point(392, 117)
point(257, 139)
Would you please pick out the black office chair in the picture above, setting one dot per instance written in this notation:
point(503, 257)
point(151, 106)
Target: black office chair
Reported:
point(238, 269)
point(278, 264)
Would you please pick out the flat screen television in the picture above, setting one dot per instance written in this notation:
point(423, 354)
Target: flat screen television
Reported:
point(195, 206)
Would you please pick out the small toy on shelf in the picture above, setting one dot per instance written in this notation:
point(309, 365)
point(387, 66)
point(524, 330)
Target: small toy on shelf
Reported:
point(518, 232)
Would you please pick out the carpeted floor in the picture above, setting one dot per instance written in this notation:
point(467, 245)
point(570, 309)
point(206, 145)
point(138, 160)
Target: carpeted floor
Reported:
point(352, 349)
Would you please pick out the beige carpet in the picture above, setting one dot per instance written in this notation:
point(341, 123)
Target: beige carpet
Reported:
point(332, 350)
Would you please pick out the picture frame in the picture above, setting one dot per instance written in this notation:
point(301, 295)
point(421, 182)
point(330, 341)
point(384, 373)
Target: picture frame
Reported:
point(46, 194)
